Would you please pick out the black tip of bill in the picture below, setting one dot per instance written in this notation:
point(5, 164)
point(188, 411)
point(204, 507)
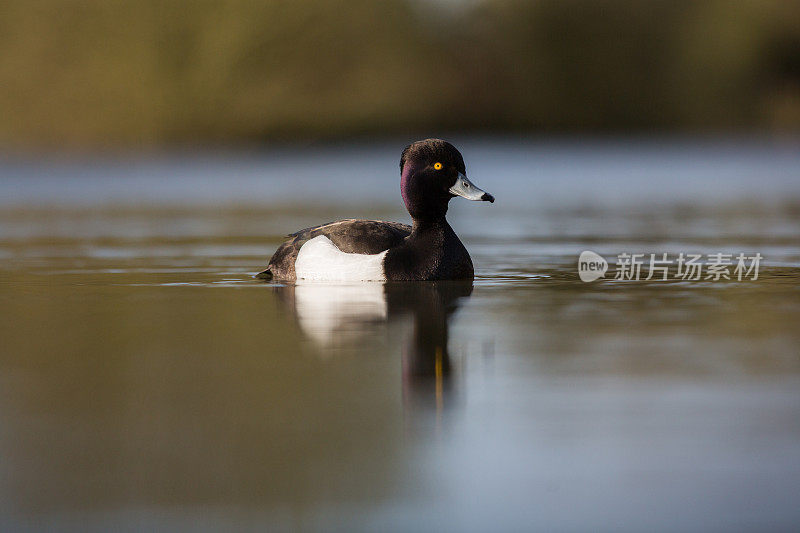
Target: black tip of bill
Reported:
point(487, 198)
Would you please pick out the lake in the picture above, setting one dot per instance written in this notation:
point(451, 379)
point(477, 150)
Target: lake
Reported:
point(148, 382)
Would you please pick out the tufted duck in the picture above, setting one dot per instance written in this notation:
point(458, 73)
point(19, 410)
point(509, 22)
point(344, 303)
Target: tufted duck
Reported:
point(432, 172)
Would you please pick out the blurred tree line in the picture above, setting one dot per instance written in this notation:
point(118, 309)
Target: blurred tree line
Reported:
point(109, 73)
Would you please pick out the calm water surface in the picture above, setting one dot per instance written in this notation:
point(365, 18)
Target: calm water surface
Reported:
point(148, 382)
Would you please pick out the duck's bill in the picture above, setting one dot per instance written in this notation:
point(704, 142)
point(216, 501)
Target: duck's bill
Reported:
point(466, 189)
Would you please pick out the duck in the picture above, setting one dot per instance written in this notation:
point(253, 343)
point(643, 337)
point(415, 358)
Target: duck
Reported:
point(432, 172)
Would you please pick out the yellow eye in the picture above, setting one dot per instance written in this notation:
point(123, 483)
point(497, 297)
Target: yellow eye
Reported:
point(437, 166)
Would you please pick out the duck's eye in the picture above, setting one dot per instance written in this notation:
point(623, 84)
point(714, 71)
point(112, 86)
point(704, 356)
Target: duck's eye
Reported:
point(437, 166)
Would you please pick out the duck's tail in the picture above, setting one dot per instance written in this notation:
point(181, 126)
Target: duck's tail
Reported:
point(265, 275)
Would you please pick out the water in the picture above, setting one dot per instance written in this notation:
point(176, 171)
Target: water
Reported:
point(147, 382)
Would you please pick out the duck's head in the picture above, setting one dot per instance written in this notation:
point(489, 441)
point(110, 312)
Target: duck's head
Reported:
point(432, 172)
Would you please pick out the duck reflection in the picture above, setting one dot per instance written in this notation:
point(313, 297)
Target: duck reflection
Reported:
point(337, 315)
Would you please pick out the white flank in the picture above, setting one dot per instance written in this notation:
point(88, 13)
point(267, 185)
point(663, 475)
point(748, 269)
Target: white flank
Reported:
point(319, 259)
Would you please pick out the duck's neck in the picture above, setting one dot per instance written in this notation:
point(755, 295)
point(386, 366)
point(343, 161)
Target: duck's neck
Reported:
point(426, 227)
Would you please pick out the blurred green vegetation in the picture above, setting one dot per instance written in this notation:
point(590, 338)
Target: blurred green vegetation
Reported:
point(114, 73)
